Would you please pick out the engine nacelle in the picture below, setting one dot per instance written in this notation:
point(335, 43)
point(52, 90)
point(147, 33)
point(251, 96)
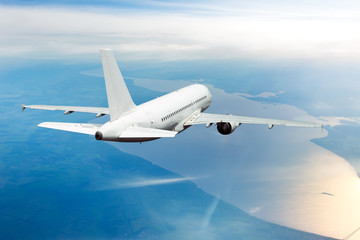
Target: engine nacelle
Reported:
point(226, 128)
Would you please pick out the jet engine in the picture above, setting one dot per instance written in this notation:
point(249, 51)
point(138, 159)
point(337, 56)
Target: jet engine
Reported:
point(226, 128)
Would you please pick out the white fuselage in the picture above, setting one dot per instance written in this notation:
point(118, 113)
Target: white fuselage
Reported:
point(168, 112)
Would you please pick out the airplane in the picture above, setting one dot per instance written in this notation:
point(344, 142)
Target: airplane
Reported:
point(163, 117)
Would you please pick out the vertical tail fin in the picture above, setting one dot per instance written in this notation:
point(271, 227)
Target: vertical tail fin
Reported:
point(118, 95)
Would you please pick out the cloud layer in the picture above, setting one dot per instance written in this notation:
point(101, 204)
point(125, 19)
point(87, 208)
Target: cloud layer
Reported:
point(213, 32)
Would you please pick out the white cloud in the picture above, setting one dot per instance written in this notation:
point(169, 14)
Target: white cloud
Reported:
point(337, 121)
point(255, 209)
point(142, 182)
point(262, 95)
point(209, 213)
point(137, 34)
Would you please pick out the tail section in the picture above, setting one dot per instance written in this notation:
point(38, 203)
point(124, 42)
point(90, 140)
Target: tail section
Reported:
point(118, 95)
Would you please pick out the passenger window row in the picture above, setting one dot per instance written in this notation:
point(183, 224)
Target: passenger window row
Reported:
point(181, 109)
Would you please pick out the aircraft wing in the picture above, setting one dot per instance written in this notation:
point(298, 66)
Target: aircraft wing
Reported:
point(70, 109)
point(209, 118)
point(85, 128)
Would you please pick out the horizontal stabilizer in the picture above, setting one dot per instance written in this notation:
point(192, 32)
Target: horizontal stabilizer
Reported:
point(85, 128)
point(139, 132)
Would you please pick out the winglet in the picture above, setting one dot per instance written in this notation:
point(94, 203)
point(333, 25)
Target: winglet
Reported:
point(23, 107)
